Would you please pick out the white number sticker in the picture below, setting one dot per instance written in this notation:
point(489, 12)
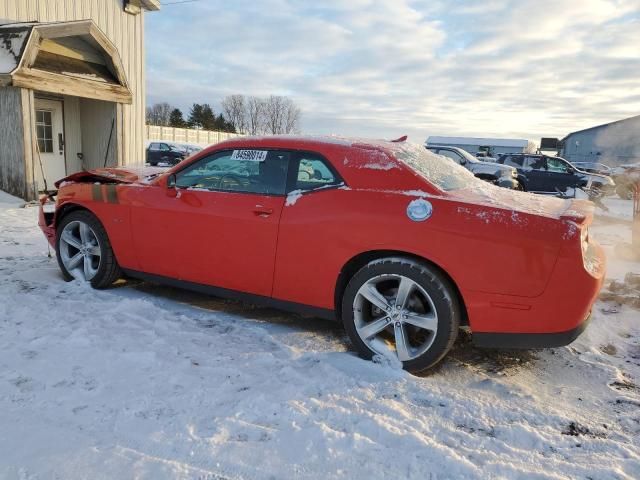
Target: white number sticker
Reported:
point(250, 155)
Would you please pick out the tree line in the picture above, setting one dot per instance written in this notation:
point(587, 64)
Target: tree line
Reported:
point(256, 115)
point(240, 114)
point(201, 116)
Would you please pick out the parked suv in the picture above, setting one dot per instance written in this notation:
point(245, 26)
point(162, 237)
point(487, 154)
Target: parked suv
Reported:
point(163, 152)
point(500, 175)
point(545, 174)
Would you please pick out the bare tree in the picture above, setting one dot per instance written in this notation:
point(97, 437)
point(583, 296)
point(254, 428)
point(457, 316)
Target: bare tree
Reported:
point(292, 116)
point(255, 116)
point(273, 111)
point(234, 111)
point(282, 115)
point(159, 114)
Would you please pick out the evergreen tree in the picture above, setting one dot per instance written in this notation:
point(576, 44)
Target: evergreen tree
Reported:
point(208, 117)
point(176, 119)
point(195, 116)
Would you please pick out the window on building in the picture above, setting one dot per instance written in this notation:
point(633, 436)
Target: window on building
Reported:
point(44, 131)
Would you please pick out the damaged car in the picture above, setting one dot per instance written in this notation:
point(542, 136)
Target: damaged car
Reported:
point(384, 236)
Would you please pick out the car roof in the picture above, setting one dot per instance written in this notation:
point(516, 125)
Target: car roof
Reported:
point(362, 162)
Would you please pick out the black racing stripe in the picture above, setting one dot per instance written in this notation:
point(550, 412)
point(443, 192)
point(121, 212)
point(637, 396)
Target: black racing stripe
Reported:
point(112, 194)
point(96, 192)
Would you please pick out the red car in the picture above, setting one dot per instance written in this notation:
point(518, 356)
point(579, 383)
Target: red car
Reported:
point(400, 244)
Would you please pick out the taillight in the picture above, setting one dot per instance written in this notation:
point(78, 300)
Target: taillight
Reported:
point(584, 240)
point(591, 258)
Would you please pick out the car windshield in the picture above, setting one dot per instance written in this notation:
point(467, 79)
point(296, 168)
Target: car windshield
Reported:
point(467, 155)
point(440, 171)
point(177, 148)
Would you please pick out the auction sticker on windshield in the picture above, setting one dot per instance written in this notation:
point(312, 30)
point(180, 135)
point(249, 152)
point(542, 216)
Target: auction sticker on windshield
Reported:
point(250, 155)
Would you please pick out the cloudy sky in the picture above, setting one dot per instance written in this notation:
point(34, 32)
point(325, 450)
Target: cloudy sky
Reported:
point(508, 68)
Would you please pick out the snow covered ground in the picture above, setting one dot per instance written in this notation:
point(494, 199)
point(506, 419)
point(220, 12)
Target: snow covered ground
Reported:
point(150, 382)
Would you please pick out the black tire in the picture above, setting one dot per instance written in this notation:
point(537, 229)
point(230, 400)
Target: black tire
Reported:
point(439, 288)
point(108, 269)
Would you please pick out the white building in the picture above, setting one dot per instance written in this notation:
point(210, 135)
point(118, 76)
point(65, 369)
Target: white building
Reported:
point(494, 146)
point(72, 88)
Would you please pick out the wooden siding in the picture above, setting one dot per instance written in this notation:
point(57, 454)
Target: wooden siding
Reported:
point(12, 166)
point(124, 30)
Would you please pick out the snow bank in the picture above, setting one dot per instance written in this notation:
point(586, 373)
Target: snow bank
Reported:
point(7, 201)
point(148, 382)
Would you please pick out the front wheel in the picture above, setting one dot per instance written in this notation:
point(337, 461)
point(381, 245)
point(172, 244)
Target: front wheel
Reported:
point(83, 250)
point(401, 308)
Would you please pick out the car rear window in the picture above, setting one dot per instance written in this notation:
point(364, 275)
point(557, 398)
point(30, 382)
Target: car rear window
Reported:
point(440, 171)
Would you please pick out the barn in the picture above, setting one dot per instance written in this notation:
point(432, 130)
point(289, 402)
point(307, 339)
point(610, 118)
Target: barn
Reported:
point(613, 143)
point(72, 89)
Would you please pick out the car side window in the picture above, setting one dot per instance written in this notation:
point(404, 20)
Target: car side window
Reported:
point(556, 165)
point(154, 147)
point(313, 172)
point(248, 171)
point(164, 147)
point(513, 161)
point(452, 155)
point(534, 163)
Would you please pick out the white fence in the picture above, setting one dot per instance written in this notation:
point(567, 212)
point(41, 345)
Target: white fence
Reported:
point(186, 135)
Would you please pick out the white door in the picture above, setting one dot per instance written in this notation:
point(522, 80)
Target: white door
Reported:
point(50, 137)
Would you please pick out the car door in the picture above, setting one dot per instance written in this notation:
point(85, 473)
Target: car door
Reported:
point(153, 153)
point(534, 169)
point(221, 227)
point(560, 174)
point(307, 236)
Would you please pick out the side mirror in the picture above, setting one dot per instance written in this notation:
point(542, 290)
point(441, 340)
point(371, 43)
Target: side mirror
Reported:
point(571, 170)
point(172, 191)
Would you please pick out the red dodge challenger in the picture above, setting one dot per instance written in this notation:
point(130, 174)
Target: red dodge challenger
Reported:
point(403, 246)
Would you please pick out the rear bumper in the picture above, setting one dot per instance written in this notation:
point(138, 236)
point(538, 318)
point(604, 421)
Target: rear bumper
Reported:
point(554, 318)
point(45, 222)
point(529, 340)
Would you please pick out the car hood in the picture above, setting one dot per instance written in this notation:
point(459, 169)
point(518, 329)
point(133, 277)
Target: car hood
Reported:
point(113, 175)
point(527, 203)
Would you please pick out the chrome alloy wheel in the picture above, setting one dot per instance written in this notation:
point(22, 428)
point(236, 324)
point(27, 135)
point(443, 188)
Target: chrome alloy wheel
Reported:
point(394, 315)
point(80, 250)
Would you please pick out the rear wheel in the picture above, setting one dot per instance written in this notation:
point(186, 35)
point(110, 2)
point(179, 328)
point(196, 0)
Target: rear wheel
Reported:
point(400, 308)
point(83, 250)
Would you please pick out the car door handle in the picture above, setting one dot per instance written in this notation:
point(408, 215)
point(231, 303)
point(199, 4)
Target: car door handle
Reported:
point(261, 211)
